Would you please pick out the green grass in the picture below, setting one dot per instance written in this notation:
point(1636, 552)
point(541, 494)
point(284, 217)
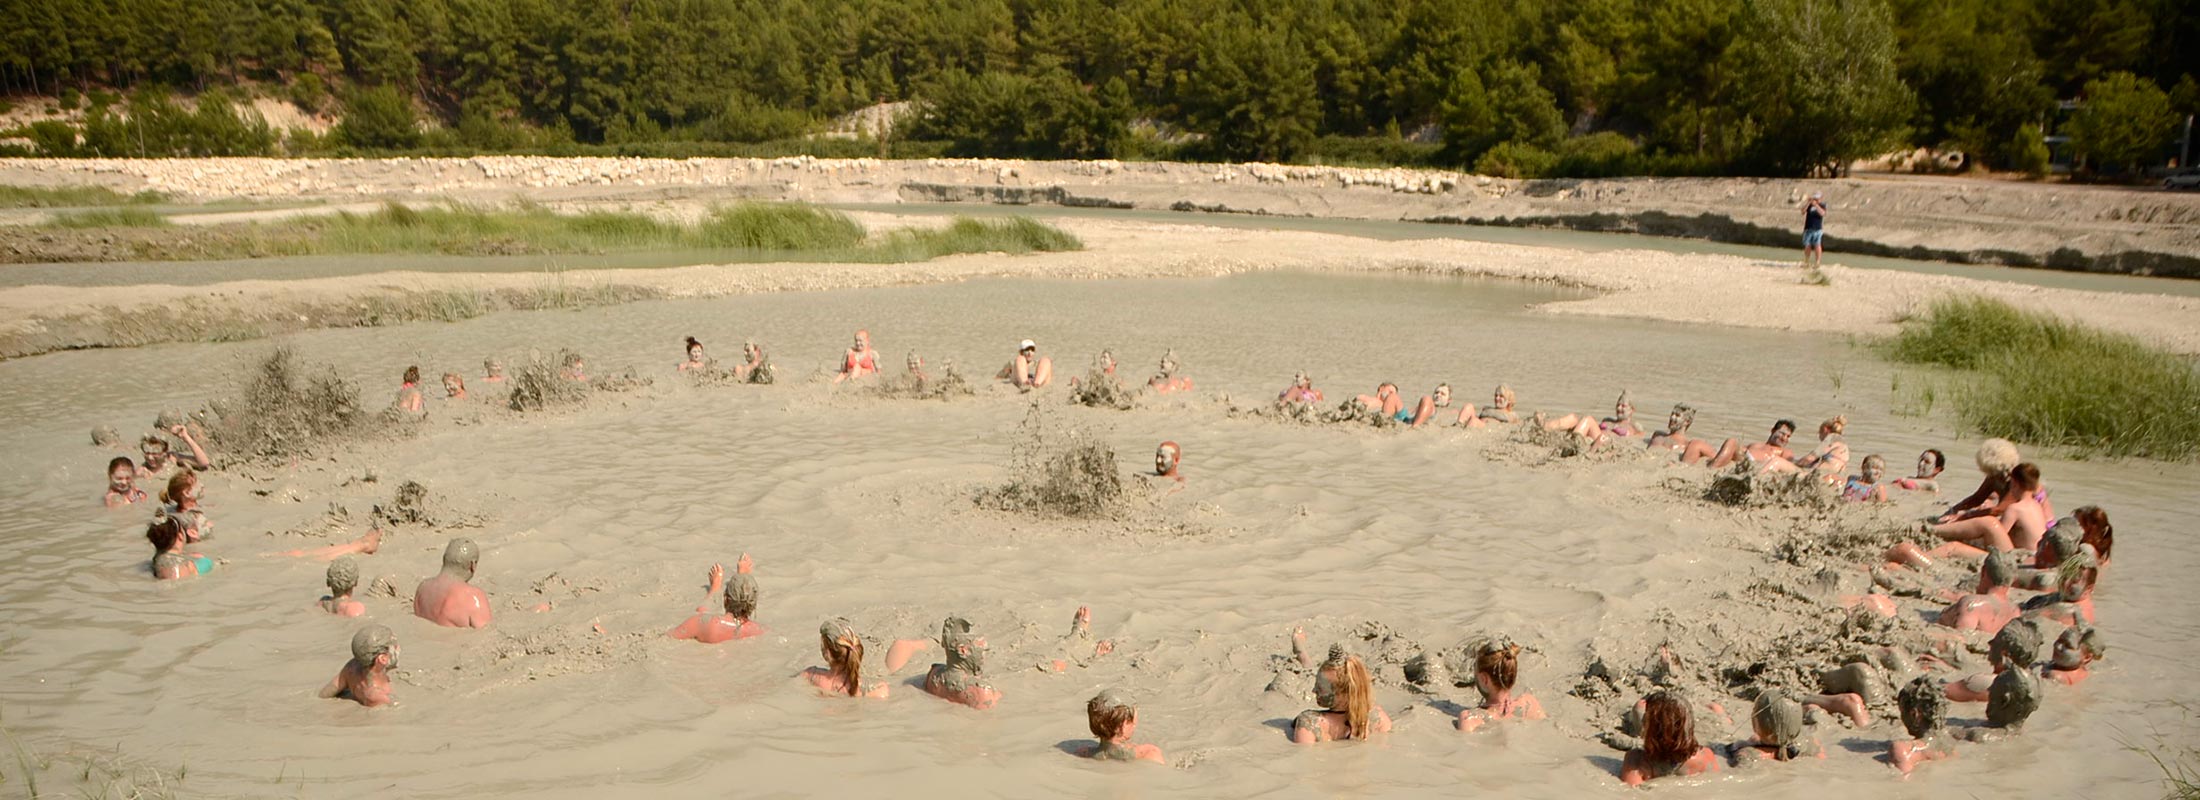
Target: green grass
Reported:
point(109, 218)
point(2041, 379)
point(65, 196)
point(966, 235)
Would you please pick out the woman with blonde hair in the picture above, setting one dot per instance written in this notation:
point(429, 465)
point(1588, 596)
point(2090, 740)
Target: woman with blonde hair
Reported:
point(1500, 410)
point(1827, 460)
point(1347, 694)
point(1996, 457)
point(843, 671)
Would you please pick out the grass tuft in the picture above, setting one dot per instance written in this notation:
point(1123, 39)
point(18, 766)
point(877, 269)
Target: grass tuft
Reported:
point(109, 218)
point(2045, 380)
point(779, 226)
point(68, 196)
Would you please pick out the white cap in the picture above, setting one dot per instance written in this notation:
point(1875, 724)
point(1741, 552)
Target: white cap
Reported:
point(1817, 195)
point(1027, 345)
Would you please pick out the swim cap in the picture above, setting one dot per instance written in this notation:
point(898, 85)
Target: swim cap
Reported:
point(371, 641)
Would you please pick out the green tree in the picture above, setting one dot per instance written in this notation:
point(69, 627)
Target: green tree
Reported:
point(2124, 124)
point(2027, 152)
point(379, 119)
point(1820, 82)
point(1254, 97)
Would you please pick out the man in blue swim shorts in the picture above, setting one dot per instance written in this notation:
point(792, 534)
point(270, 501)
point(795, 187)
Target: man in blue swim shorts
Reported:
point(1814, 230)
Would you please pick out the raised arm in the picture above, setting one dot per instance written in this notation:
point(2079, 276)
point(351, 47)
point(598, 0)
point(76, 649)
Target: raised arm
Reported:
point(198, 454)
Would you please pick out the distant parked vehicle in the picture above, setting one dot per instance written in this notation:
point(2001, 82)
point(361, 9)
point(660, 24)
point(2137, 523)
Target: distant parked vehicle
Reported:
point(2187, 179)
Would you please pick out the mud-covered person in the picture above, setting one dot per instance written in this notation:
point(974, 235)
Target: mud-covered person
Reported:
point(343, 579)
point(1669, 747)
point(962, 678)
point(408, 394)
point(365, 679)
point(122, 483)
point(1113, 720)
point(741, 595)
point(160, 462)
point(842, 674)
point(1675, 436)
point(860, 361)
point(1346, 692)
point(448, 599)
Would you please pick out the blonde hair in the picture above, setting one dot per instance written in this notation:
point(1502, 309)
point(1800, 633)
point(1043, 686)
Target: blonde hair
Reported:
point(843, 654)
point(1998, 456)
point(1838, 424)
point(1355, 697)
point(1506, 392)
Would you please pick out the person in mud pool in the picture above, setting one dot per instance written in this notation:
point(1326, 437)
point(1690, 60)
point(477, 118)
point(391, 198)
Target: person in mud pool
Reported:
point(160, 462)
point(454, 387)
point(1166, 462)
point(105, 437)
point(917, 375)
point(2085, 529)
point(2016, 646)
point(842, 675)
point(2075, 651)
point(860, 361)
point(1675, 436)
point(575, 368)
point(122, 483)
point(1300, 392)
point(1498, 412)
point(1925, 718)
point(448, 599)
point(962, 678)
point(695, 359)
point(1076, 646)
point(181, 500)
point(754, 368)
point(1424, 410)
point(1989, 608)
point(1496, 669)
point(1776, 720)
point(1348, 710)
point(1669, 747)
point(1865, 487)
point(2072, 601)
point(408, 395)
point(170, 562)
point(1929, 466)
point(492, 371)
point(1167, 381)
point(1826, 461)
point(1996, 458)
point(738, 622)
point(365, 679)
point(1621, 424)
point(2011, 699)
point(1113, 720)
point(1028, 370)
point(1773, 447)
point(2016, 525)
point(1386, 402)
point(343, 578)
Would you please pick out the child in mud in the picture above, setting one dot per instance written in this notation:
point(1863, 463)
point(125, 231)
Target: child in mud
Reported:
point(365, 679)
point(1346, 693)
point(408, 394)
point(448, 599)
point(1028, 370)
point(160, 462)
point(1929, 466)
point(343, 577)
point(961, 679)
point(122, 483)
point(860, 361)
point(2017, 524)
point(1865, 487)
point(1496, 668)
point(695, 359)
point(168, 535)
point(1113, 720)
point(842, 674)
point(181, 499)
point(1777, 721)
point(1498, 412)
point(1167, 381)
point(1925, 717)
point(492, 371)
point(454, 387)
point(741, 595)
point(1669, 747)
point(1675, 436)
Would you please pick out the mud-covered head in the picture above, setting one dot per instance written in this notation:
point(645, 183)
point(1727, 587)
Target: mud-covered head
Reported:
point(1997, 457)
point(461, 556)
point(2012, 698)
point(1874, 468)
point(1110, 714)
point(965, 649)
point(843, 651)
point(694, 349)
point(914, 363)
point(2061, 543)
point(2075, 577)
point(1998, 570)
point(1301, 380)
point(1930, 463)
point(1924, 707)
point(121, 474)
point(1351, 692)
point(1496, 665)
point(1325, 681)
point(106, 436)
point(1778, 721)
point(154, 449)
point(1836, 426)
point(1668, 730)
point(165, 531)
point(1167, 457)
point(741, 595)
point(1623, 408)
point(1442, 395)
point(2017, 645)
point(453, 385)
point(343, 576)
point(182, 489)
point(371, 643)
point(1168, 363)
point(492, 368)
point(1683, 416)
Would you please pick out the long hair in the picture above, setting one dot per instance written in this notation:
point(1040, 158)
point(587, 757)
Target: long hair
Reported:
point(179, 487)
point(2103, 536)
point(1668, 734)
point(1355, 697)
point(412, 374)
point(844, 657)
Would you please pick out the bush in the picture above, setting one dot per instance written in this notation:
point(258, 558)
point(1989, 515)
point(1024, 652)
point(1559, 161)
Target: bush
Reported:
point(2028, 152)
point(379, 119)
point(1598, 155)
point(746, 120)
point(2124, 124)
point(1516, 160)
point(778, 226)
point(2044, 380)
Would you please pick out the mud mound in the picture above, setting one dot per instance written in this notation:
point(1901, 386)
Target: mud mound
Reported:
point(288, 408)
point(540, 385)
point(947, 385)
point(1098, 389)
point(1742, 487)
point(1058, 470)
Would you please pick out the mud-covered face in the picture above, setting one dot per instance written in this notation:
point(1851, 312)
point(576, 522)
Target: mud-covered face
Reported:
point(156, 456)
point(392, 654)
point(862, 342)
point(1325, 688)
point(496, 369)
point(1443, 395)
point(914, 363)
point(750, 350)
point(1925, 465)
point(451, 387)
point(1781, 435)
point(1873, 470)
point(1623, 409)
point(122, 479)
point(695, 353)
point(1164, 458)
point(1674, 421)
point(969, 657)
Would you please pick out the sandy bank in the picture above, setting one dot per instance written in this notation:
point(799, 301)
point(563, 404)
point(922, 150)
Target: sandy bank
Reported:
point(1719, 290)
point(2058, 226)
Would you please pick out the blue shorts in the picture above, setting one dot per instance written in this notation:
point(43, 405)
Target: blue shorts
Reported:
point(1814, 238)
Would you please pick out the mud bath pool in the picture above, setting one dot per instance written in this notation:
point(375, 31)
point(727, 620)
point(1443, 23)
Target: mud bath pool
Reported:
point(859, 506)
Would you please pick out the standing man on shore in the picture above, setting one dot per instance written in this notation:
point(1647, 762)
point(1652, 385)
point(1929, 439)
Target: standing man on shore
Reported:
point(1814, 230)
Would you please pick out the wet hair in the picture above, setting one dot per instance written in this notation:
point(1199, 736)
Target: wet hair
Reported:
point(1106, 714)
point(1686, 412)
point(1838, 424)
point(370, 643)
point(1924, 706)
point(179, 487)
point(1501, 661)
point(741, 595)
point(2078, 644)
point(1789, 424)
point(1999, 569)
point(1506, 392)
point(412, 374)
point(2027, 474)
point(491, 366)
point(2103, 536)
point(153, 440)
point(843, 653)
point(1940, 459)
point(1355, 697)
point(106, 436)
point(1874, 460)
point(1780, 720)
point(1668, 734)
point(121, 462)
point(461, 552)
point(164, 531)
point(452, 377)
point(1997, 456)
point(2078, 573)
point(692, 343)
point(2019, 643)
point(343, 576)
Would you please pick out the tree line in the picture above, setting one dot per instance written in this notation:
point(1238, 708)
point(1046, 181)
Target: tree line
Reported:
point(1520, 87)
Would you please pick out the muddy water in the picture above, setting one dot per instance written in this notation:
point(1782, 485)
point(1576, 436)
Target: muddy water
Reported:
point(858, 506)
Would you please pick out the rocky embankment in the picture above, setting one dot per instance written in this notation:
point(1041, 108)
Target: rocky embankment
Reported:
point(2036, 225)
